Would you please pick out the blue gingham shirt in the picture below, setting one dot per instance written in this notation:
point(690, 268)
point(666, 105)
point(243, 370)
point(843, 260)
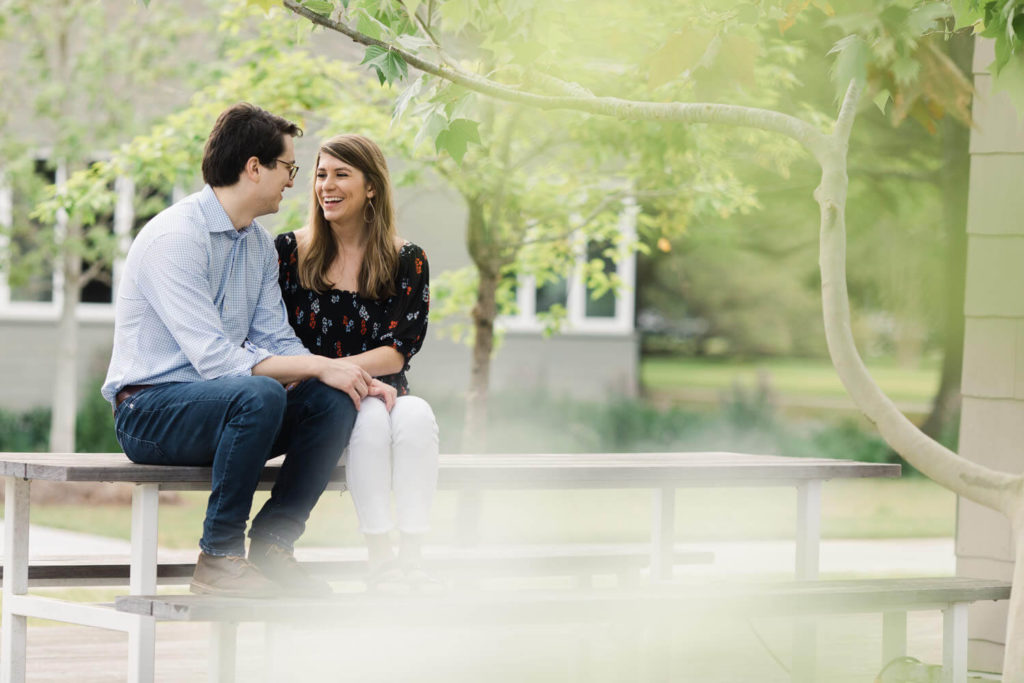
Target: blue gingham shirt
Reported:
point(197, 300)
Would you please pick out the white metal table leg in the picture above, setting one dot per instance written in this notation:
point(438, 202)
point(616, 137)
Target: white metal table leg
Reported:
point(954, 643)
point(14, 626)
point(663, 533)
point(142, 581)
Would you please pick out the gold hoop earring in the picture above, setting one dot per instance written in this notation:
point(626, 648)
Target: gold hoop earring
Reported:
point(373, 212)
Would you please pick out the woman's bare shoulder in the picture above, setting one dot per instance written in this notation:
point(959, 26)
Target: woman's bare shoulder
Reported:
point(302, 236)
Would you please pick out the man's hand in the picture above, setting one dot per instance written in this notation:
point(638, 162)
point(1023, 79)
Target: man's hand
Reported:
point(384, 392)
point(346, 376)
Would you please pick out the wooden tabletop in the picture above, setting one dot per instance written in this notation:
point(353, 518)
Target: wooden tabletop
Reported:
point(493, 470)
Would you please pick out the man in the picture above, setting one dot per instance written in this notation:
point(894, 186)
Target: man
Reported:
point(203, 349)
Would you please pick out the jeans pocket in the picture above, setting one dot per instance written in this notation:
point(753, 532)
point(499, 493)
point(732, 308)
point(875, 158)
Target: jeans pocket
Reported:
point(141, 451)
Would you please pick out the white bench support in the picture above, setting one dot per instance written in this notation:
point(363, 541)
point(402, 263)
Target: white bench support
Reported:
point(663, 532)
point(467, 517)
point(808, 529)
point(894, 636)
point(142, 581)
point(954, 643)
point(808, 544)
point(223, 651)
point(15, 626)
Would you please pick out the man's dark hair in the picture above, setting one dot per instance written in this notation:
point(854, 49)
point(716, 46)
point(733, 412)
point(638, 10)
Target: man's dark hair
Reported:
point(243, 131)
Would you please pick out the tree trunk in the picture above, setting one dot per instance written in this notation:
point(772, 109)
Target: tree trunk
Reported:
point(65, 385)
point(474, 433)
point(953, 180)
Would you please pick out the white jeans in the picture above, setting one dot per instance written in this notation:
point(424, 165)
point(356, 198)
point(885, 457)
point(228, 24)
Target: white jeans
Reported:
point(393, 451)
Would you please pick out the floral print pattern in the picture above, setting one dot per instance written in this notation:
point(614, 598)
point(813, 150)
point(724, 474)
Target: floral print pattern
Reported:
point(339, 323)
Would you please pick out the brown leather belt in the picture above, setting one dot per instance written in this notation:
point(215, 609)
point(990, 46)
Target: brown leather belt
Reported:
point(128, 392)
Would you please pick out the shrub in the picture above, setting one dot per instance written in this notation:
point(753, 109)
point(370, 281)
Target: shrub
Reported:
point(94, 427)
point(25, 432)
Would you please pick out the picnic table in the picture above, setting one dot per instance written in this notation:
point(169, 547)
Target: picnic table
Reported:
point(661, 473)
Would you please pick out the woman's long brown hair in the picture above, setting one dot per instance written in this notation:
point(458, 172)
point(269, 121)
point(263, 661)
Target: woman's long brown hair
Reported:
point(380, 260)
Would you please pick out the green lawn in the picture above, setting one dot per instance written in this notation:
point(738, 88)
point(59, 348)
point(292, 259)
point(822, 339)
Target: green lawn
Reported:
point(851, 509)
point(804, 378)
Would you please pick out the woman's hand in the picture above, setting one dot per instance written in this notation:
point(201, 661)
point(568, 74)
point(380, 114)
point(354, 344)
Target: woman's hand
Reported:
point(384, 392)
point(345, 376)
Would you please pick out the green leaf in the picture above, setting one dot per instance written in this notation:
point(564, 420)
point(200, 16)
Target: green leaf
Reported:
point(454, 139)
point(388, 65)
point(264, 5)
point(436, 122)
point(851, 62)
point(413, 43)
point(966, 13)
point(881, 99)
point(905, 70)
point(411, 6)
point(925, 18)
point(321, 7)
point(406, 96)
point(369, 26)
point(457, 14)
point(679, 53)
point(526, 52)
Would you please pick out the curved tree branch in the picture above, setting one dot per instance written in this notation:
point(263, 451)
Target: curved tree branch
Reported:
point(994, 489)
point(734, 115)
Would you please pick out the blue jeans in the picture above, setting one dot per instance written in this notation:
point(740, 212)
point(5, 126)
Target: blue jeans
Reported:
point(235, 424)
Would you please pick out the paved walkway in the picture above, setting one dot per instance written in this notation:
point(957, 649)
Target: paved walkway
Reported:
point(897, 556)
point(50, 542)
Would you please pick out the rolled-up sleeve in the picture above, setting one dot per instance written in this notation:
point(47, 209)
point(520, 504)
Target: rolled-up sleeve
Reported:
point(172, 276)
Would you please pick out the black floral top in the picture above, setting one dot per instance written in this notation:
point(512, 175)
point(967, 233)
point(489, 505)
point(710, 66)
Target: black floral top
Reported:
point(342, 323)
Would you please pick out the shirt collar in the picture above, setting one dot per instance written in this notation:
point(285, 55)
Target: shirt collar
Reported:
point(216, 217)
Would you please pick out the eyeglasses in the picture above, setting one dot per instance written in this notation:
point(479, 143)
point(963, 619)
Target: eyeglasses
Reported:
point(293, 170)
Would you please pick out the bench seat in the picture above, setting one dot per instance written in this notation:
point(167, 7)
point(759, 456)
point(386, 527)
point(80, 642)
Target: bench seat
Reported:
point(651, 609)
point(644, 604)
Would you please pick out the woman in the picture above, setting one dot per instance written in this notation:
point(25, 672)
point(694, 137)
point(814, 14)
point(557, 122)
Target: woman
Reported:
point(353, 288)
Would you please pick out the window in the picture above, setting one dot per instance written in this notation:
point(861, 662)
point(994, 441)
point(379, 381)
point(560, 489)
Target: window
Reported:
point(29, 264)
point(550, 294)
point(98, 287)
point(603, 305)
point(609, 313)
point(30, 284)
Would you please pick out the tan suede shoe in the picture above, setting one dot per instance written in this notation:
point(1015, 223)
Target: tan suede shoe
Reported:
point(230, 575)
point(280, 565)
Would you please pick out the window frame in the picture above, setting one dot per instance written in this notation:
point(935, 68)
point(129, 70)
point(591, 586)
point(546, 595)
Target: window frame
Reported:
point(576, 320)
